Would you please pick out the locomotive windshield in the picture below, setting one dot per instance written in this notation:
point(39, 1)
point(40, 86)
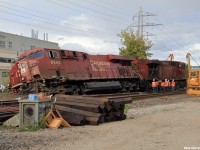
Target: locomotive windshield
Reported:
point(34, 55)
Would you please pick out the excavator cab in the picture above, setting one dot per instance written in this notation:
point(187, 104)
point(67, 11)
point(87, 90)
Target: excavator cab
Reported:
point(194, 78)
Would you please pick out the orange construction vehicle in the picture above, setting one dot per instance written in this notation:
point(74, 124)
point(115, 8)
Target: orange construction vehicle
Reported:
point(193, 82)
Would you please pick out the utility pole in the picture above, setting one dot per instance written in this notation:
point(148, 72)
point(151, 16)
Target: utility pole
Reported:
point(140, 24)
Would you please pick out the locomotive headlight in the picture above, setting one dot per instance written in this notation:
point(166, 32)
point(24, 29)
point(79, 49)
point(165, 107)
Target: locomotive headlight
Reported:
point(23, 78)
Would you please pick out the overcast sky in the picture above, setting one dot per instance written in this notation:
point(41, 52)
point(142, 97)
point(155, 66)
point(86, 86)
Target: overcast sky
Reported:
point(92, 25)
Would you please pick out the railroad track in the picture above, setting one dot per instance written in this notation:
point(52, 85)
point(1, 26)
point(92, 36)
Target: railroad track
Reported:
point(8, 108)
point(105, 103)
point(137, 95)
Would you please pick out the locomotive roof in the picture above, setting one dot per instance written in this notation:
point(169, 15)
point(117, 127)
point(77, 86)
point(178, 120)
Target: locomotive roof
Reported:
point(118, 57)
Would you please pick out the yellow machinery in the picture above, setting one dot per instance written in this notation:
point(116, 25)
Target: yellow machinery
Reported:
point(193, 82)
point(171, 57)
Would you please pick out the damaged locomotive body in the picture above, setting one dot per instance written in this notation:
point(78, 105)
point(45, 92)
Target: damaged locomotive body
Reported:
point(161, 70)
point(72, 72)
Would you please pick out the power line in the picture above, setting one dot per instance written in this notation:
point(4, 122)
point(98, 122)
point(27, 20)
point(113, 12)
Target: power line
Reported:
point(105, 17)
point(110, 8)
point(96, 11)
point(43, 13)
point(195, 60)
point(45, 27)
point(49, 23)
point(140, 22)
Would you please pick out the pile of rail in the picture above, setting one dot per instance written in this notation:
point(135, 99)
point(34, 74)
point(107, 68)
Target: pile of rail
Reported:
point(8, 108)
point(80, 110)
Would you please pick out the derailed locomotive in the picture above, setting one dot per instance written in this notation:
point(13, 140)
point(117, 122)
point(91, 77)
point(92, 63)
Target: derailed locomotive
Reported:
point(73, 72)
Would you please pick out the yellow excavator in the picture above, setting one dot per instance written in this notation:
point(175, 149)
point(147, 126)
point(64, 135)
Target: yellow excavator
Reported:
point(193, 82)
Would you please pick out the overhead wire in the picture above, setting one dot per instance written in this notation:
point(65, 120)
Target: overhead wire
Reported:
point(194, 60)
point(72, 8)
point(66, 24)
point(47, 23)
point(115, 8)
point(90, 9)
point(45, 27)
point(42, 13)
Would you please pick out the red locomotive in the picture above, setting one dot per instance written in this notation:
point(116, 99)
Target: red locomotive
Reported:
point(160, 70)
point(72, 72)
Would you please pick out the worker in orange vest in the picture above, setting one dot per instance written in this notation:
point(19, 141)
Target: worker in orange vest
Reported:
point(153, 85)
point(166, 85)
point(169, 85)
point(173, 84)
point(162, 86)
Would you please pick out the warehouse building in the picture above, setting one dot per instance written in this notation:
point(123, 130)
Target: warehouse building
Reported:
point(11, 45)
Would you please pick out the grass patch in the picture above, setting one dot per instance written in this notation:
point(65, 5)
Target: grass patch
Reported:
point(29, 128)
point(125, 108)
point(41, 125)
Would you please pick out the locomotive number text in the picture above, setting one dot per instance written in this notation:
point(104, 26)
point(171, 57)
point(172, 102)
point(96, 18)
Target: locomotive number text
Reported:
point(54, 62)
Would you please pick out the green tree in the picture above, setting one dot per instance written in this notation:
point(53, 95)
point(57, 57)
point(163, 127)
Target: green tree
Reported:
point(134, 45)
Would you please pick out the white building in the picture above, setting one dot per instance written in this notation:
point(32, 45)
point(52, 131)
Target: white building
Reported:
point(11, 45)
point(21, 43)
point(5, 63)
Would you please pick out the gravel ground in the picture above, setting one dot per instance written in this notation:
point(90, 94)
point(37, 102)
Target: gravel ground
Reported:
point(159, 101)
point(144, 117)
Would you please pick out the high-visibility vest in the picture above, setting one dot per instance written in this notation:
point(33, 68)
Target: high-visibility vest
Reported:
point(162, 84)
point(157, 83)
point(153, 84)
point(166, 84)
point(173, 84)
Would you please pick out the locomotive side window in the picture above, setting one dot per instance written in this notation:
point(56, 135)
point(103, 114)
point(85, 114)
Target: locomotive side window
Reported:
point(84, 56)
point(126, 63)
point(74, 54)
point(173, 63)
point(53, 54)
point(63, 53)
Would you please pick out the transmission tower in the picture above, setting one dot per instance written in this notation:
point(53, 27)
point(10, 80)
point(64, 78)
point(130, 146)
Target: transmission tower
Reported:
point(139, 23)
